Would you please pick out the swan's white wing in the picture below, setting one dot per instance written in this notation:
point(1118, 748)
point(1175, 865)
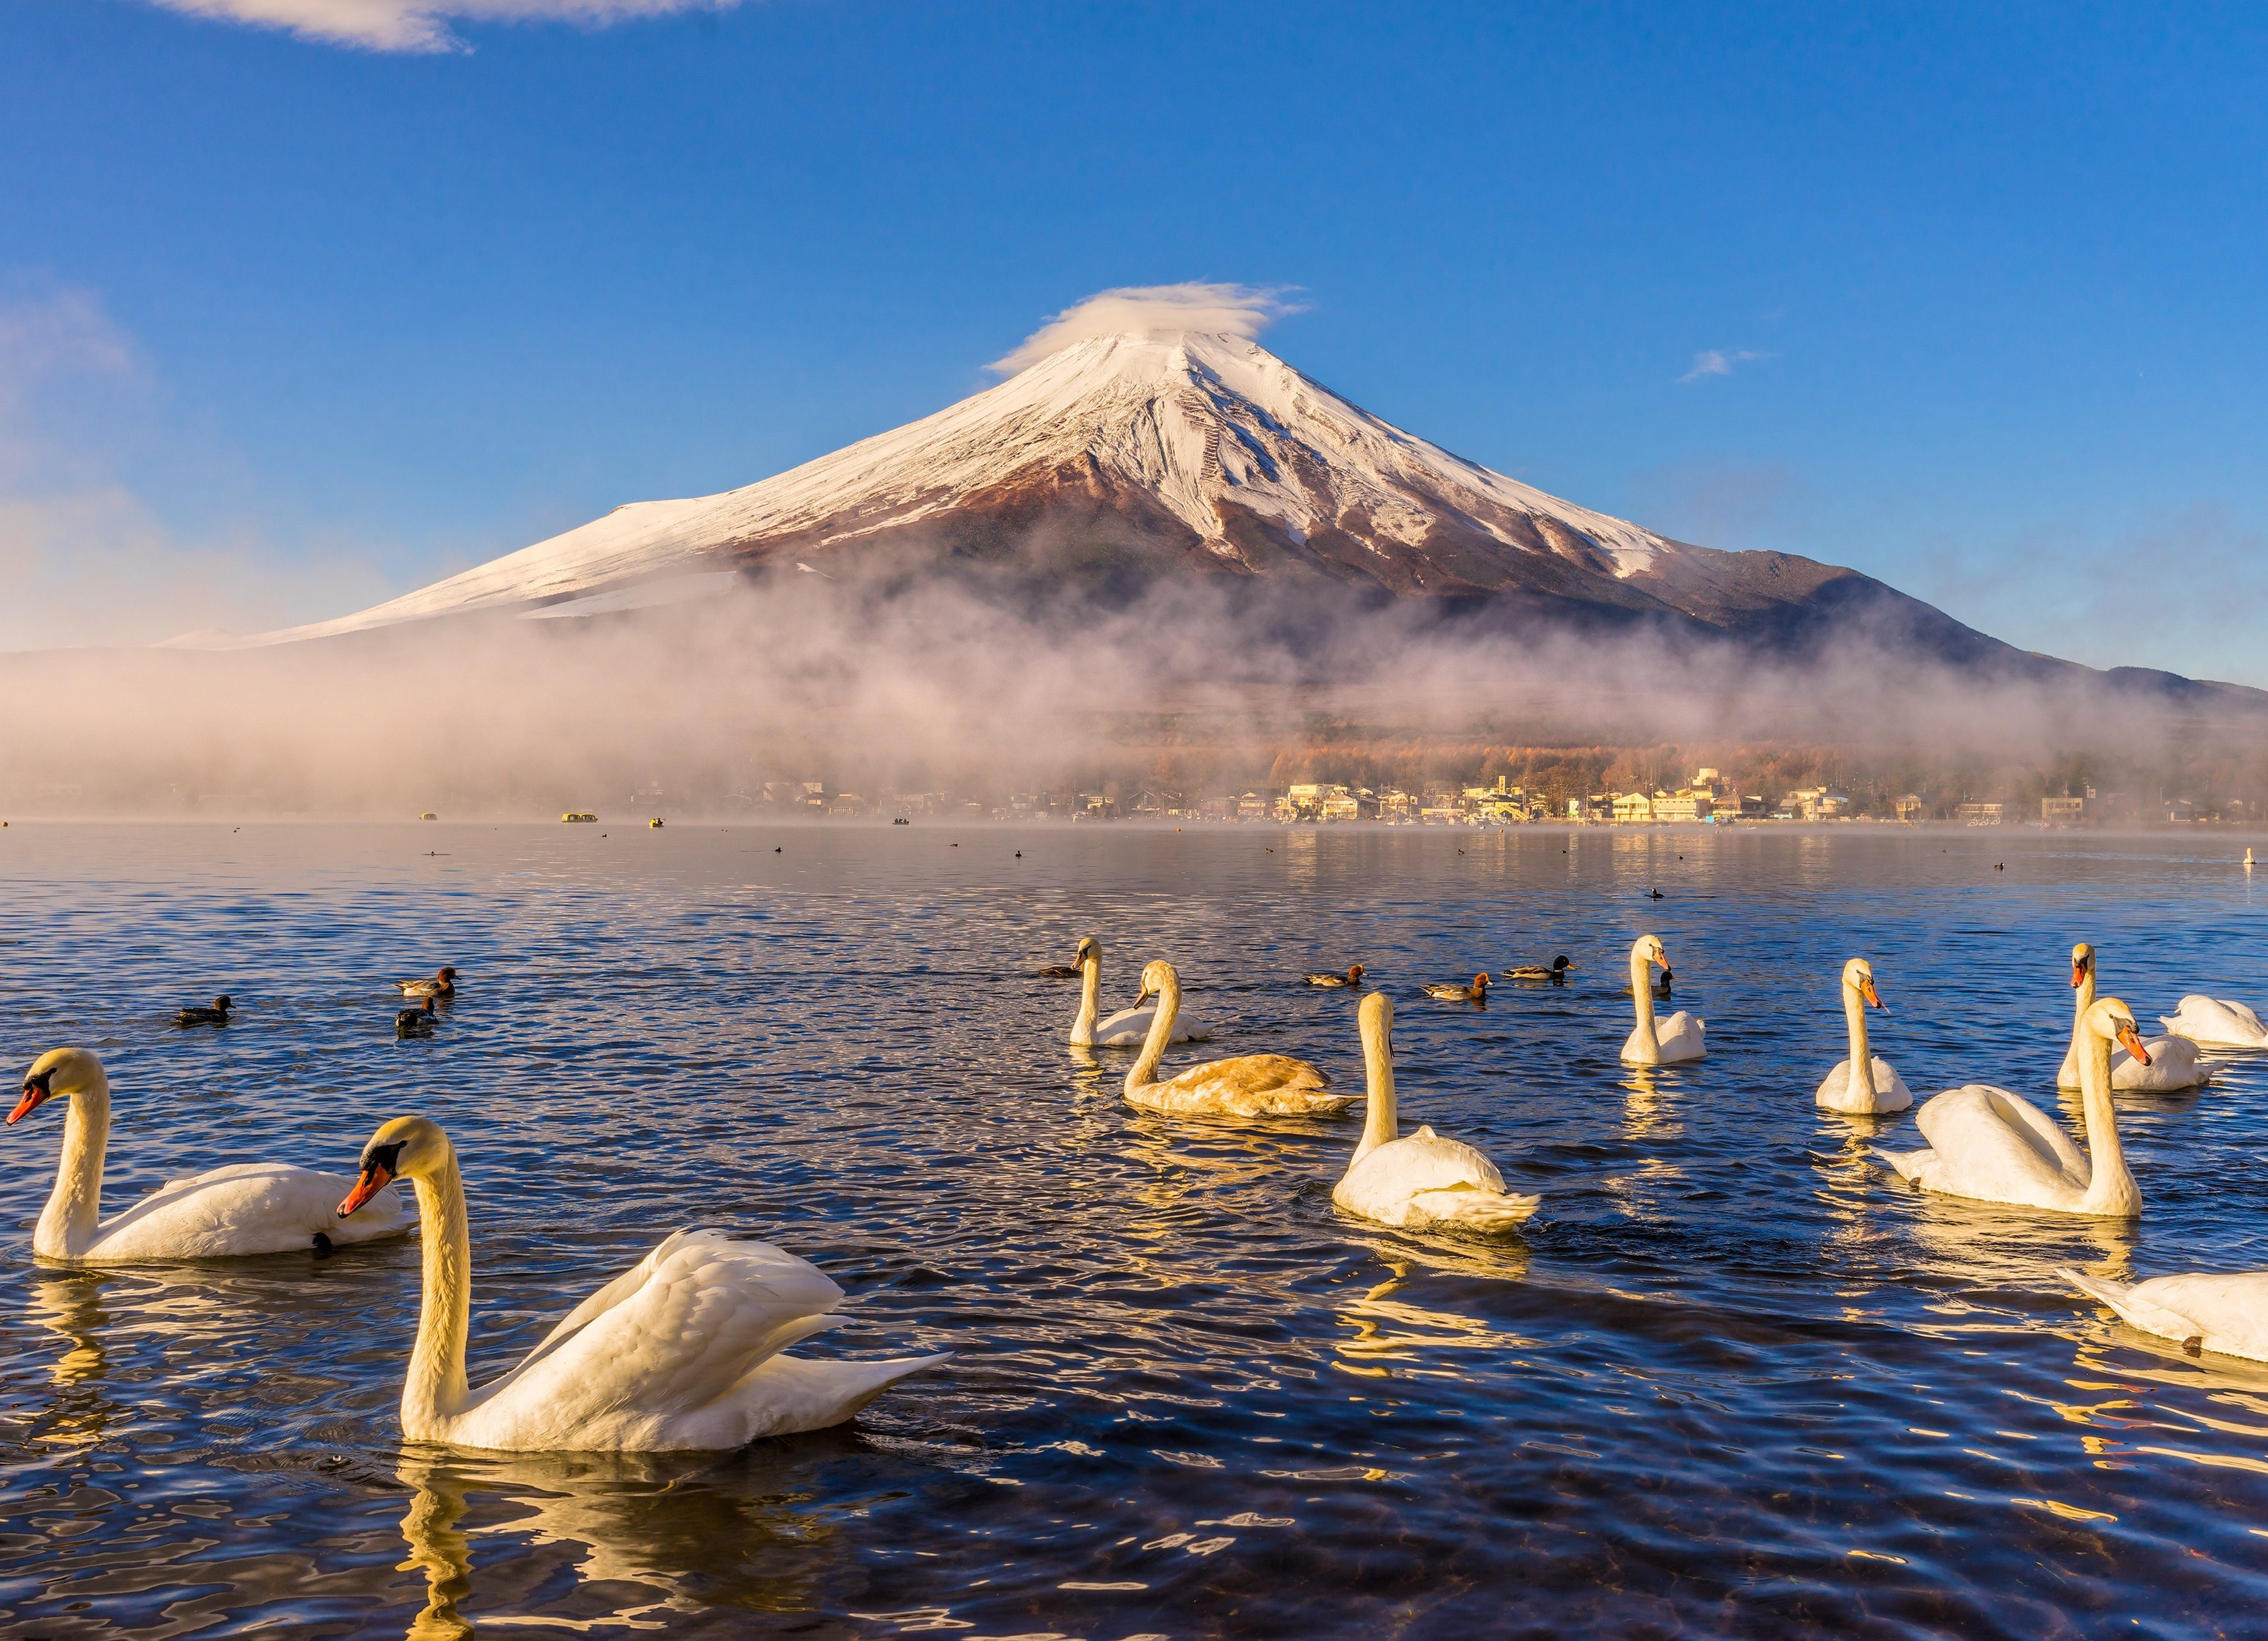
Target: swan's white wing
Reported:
point(247, 1207)
point(1987, 1143)
point(1131, 1028)
point(654, 1347)
point(1890, 1092)
point(1425, 1180)
point(2216, 1020)
point(2229, 1314)
point(1682, 1036)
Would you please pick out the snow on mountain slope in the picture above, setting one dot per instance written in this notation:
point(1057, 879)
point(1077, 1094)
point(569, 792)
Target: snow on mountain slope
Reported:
point(1250, 465)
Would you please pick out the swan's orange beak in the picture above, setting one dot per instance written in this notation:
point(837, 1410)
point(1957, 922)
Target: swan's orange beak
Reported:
point(374, 1180)
point(2078, 975)
point(1873, 998)
point(36, 1094)
point(1661, 962)
point(2130, 1040)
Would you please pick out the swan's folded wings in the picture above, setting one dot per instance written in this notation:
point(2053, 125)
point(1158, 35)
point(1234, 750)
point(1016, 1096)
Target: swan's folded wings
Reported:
point(679, 1328)
point(1978, 1124)
point(1427, 1162)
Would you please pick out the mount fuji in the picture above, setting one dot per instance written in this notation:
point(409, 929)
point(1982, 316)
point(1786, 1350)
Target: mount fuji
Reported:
point(1170, 453)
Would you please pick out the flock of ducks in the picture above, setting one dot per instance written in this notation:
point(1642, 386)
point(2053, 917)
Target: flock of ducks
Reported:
point(688, 1349)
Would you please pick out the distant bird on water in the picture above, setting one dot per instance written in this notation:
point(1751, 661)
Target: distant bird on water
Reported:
point(1655, 894)
point(1070, 971)
point(1352, 976)
point(417, 1021)
point(1449, 992)
point(1556, 974)
point(1661, 987)
point(199, 1015)
point(442, 985)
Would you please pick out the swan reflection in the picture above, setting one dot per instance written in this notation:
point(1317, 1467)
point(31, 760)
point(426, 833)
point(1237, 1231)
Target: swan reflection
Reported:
point(1390, 1330)
point(71, 1305)
point(669, 1534)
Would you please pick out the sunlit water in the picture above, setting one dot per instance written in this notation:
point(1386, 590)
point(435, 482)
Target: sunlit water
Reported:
point(1731, 1379)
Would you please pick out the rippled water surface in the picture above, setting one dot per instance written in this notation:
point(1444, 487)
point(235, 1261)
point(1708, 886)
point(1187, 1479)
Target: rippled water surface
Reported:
point(1731, 1379)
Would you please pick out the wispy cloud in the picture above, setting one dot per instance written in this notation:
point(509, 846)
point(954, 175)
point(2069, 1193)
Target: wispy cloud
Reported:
point(1720, 362)
point(423, 24)
point(1233, 310)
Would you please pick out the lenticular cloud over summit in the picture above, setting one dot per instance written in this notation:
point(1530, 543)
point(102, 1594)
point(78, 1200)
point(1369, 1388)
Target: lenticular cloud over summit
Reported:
point(1224, 310)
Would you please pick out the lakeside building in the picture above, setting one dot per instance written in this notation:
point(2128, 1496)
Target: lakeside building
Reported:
point(2062, 811)
point(1979, 814)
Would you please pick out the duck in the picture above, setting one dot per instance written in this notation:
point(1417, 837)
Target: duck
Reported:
point(1420, 1181)
point(417, 1021)
point(1244, 1085)
point(1991, 1146)
point(1352, 976)
point(244, 1209)
point(1449, 991)
point(2226, 1315)
point(1556, 972)
point(686, 1351)
point(2173, 1063)
point(1129, 1028)
point(197, 1014)
point(2216, 1023)
point(1680, 1038)
point(1863, 1084)
point(1663, 983)
point(1062, 970)
point(442, 985)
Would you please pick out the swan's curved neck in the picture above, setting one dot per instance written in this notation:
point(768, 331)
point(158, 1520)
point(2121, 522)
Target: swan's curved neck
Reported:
point(2082, 999)
point(67, 1224)
point(1382, 1124)
point(1862, 1052)
point(1090, 998)
point(1642, 995)
point(435, 1390)
point(1161, 1029)
point(2111, 1187)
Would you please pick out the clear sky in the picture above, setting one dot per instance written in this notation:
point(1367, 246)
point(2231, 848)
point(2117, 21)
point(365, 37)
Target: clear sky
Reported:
point(1974, 298)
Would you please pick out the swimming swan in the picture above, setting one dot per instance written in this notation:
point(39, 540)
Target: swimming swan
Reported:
point(1678, 1038)
point(2228, 1315)
point(1424, 1182)
point(1126, 1029)
point(2217, 1023)
point(1986, 1144)
point(1244, 1085)
point(249, 1208)
point(684, 1351)
point(2173, 1062)
point(1863, 1084)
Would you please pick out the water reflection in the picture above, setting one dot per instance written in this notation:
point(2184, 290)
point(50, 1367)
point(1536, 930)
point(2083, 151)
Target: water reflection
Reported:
point(1390, 1329)
point(71, 1305)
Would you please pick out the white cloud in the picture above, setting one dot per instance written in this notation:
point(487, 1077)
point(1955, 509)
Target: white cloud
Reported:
point(423, 24)
point(1720, 362)
point(85, 558)
point(1233, 310)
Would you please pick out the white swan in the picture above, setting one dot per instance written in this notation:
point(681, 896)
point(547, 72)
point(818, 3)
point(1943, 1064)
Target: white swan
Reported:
point(2173, 1062)
point(251, 1208)
point(2228, 1315)
point(1679, 1037)
point(1244, 1085)
point(1863, 1084)
point(2216, 1022)
point(684, 1351)
point(1987, 1144)
point(1126, 1029)
point(1423, 1182)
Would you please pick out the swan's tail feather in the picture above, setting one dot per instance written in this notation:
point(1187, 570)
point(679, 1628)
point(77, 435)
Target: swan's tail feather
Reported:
point(792, 1394)
point(2129, 1304)
point(1477, 1210)
point(1908, 1163)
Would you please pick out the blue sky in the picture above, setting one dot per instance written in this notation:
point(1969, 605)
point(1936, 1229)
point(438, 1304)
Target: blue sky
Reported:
point(288, 322)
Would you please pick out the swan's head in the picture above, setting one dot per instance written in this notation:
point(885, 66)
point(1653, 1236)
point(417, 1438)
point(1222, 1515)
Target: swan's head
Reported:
point(2082, 963)
point(1155, 978)
point(1087, 949)
point(405, 1148)
point(1648, 949)
point(1859, 976)
point(2113, 1019)
point(60, 1071)
point(1376, 1017)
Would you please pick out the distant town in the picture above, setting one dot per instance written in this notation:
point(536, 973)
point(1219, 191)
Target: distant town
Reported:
point(1707, 798)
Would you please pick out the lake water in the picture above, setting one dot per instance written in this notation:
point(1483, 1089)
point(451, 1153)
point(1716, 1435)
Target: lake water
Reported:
point(1731, 1379)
